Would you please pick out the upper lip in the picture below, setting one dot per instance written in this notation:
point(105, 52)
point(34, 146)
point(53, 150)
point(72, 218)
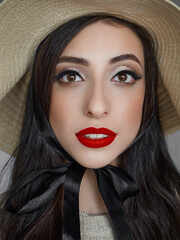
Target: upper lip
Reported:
point(92, 130)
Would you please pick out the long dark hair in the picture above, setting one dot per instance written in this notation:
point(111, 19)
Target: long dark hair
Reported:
point(154, 213)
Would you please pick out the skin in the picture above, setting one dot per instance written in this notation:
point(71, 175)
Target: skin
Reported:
point(98, 99)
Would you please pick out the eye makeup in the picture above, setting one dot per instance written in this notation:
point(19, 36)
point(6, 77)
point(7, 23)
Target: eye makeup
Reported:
point(124, 76)
point(71, 76)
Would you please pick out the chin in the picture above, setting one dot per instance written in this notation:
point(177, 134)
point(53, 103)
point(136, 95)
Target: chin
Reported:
point(96, 163)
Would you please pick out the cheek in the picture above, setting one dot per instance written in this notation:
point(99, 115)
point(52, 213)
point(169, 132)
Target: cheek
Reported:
point(134, 109)
point(63, 110)
point(59, 111)
point(55, 113)
point(134, 114)
point(130, 111)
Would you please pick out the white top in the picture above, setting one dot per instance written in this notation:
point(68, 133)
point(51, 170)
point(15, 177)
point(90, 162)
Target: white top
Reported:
point(95, 227)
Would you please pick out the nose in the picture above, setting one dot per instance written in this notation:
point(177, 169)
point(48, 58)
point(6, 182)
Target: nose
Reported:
point(96, 104)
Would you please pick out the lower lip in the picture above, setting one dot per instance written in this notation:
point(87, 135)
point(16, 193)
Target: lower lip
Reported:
point(96, 143)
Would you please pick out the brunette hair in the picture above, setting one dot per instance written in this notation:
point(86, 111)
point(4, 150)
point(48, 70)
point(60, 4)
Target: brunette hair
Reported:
point(154, 213)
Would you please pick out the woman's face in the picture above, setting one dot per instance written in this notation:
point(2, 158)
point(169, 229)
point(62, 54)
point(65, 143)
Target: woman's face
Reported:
point(99, 88)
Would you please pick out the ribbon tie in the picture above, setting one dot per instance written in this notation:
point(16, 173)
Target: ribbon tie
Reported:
point(115, 186)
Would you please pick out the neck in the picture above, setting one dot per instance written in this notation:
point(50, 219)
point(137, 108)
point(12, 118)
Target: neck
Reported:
point(90, 200)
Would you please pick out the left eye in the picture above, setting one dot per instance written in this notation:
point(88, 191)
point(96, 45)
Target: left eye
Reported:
point(68, 77)
point(126, 77)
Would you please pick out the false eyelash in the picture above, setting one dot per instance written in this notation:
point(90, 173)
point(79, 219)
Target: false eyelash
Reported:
point(133, 74)
point(62, 74)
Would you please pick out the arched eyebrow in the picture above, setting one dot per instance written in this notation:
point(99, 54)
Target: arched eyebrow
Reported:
point(85, 62)
point(77, 60)
point(125, 57)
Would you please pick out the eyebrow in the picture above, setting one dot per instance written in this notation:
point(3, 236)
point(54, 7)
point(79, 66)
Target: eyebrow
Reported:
point(125, 57)
point(84, 62)
point(81, 61)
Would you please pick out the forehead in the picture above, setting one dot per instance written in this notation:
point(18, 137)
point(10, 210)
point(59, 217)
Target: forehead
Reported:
point(104, 40)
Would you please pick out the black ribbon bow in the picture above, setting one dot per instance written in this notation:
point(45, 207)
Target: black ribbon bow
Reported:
point(115, 186)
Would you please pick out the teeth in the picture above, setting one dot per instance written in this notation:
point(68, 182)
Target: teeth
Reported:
point(95, 136)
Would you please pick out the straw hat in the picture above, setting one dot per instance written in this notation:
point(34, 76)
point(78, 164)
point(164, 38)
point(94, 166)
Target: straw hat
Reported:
point(24, 24)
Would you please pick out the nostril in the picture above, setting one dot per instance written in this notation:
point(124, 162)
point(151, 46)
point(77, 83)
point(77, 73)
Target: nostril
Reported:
point(97, 114)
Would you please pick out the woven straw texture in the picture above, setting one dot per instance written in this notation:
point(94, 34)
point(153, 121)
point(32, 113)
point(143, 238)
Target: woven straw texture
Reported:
point(24, 24)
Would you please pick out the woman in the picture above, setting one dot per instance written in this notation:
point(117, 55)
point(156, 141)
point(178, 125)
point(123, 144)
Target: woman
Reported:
point(92, 111)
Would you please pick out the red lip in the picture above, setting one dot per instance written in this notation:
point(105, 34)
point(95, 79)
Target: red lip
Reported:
point(96, 143)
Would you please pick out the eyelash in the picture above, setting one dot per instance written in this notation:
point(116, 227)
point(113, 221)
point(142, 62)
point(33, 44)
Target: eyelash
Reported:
point(134, 75)
point(64, 73)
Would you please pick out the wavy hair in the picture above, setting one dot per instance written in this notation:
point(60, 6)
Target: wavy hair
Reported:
point(154, 213)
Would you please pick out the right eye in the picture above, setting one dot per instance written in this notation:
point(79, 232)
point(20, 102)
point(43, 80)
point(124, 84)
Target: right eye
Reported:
point(69, 76)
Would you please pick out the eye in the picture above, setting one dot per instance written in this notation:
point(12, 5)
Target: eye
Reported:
point(69, 76)
point(126, 77)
